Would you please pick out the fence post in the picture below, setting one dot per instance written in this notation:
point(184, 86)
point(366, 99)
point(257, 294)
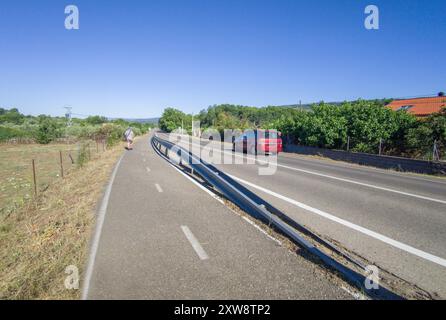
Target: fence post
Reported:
point(61, 164)
point(34, 178)
point(435, 153)
point(348, 143)
point(380, 145)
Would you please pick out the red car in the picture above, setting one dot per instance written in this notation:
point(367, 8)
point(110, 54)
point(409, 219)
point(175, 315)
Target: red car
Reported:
point(259, 141)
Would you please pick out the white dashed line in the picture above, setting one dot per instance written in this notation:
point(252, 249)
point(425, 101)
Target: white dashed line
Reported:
point(148, 169)
point(158, 187)
point(213, 195)
point(195, 244)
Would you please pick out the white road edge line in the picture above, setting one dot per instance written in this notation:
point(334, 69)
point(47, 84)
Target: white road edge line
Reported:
point(98, 231)
point(370, 233)
point(158, 187)
point(213, 195)
point(340, 179)
point(356, 295)
point(260, 229)
point(195, 244)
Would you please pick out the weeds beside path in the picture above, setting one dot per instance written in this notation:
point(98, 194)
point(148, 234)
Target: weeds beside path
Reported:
point(41, 238)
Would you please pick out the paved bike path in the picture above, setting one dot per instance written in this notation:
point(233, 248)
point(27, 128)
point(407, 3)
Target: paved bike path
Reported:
point(163, 237)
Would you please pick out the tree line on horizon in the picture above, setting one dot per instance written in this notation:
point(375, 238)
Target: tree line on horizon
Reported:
point(360, 126)
point(44, 129)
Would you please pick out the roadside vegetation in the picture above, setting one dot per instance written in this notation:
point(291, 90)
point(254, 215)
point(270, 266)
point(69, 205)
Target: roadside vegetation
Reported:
point(45, 227)
point(18, 128)
point(53, 146)
point(359, 126)
point(44, 235)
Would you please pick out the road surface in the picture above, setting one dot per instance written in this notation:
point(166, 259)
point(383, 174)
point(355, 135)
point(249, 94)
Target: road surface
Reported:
point(396, 221)
point(163, 237)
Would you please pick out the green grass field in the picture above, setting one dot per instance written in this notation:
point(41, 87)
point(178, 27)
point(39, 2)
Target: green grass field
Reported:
point(16, 171)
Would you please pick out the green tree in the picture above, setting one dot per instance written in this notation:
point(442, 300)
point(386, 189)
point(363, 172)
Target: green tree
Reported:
point(325, 127)
point(171, 119)
point(421, 139)
point(11, 116)
point(47, 130)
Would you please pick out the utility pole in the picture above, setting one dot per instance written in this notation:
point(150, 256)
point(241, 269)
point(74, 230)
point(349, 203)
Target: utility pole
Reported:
point(68, 115)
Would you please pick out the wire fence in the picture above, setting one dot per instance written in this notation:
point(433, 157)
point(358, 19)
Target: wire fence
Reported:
point(29, 169)
point(430, 151)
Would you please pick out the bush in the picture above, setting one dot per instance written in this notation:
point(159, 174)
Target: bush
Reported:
point(11, 116)
point(83, 154)
point(96, 120)
point(109, 132)
point(7, 133)
point(421, 139)
point(47, 130)
point(81, 132)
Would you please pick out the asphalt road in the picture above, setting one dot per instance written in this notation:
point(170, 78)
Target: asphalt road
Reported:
point(163, 237)
point(396, 221)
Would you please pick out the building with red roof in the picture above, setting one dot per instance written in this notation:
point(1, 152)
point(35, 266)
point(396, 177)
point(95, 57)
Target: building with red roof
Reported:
point(420, 107)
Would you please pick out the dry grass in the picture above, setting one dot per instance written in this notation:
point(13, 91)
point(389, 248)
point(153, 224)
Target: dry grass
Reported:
point(16, 174)
point(42, 236)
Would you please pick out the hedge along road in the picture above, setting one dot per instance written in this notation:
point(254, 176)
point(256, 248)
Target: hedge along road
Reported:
point(164, 237)
point(396, 220)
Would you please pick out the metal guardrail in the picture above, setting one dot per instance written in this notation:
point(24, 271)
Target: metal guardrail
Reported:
point(262, 210)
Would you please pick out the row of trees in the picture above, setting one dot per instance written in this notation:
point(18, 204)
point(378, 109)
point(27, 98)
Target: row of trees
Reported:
point(361, 126)
point(224, 116)
point(45, 129)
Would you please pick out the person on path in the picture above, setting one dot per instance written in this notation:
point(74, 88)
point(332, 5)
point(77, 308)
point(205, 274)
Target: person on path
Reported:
point(129, 136)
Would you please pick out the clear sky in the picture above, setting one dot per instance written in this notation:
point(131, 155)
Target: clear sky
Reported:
point(134, 58)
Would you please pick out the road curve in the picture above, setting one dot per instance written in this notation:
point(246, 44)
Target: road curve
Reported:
point(164, 237)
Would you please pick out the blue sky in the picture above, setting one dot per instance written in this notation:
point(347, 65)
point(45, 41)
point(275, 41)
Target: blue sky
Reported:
point(134, 58)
